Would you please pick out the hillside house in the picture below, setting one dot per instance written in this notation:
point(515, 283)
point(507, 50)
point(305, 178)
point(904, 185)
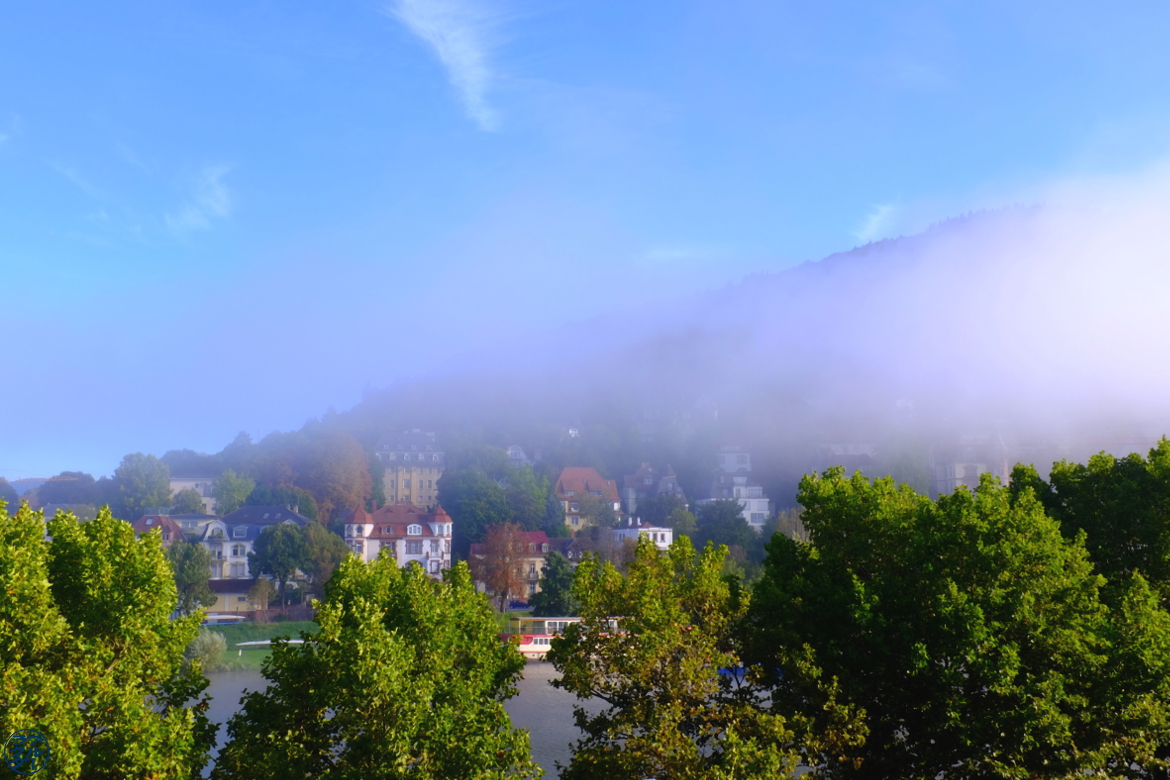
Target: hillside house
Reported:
point(405, 533)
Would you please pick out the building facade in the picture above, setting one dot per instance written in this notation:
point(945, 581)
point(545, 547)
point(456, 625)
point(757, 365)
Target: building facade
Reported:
point(633, 529)
point(413, 462)
point(646, 483)
point(578, 482)
point(230, 538)
point(733, 480)
point(405, 533)
point(170, 530)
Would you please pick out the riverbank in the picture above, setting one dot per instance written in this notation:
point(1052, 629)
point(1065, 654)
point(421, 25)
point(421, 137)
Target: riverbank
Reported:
point(252, 658)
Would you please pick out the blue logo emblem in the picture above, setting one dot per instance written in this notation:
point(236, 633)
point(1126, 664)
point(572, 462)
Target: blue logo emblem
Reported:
point(26, 752)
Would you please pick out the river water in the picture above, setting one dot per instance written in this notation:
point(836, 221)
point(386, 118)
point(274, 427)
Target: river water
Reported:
point(546, 712)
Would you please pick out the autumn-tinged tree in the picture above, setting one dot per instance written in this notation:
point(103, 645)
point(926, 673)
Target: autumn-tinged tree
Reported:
point(659, 650)
point(191, 567)
point(500, 568)
point(406, 679)
point(970, 632)
point(260, 594)
point(187, 501)
point(231, 491)
point(336, 470)
point(89, 654)
point(140, 481)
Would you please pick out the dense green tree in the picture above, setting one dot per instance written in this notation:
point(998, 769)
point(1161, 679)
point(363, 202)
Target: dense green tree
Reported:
point(89, 654)
point(968, 630)
point(141, 481)
point(69, 487)
point(721, 522)
point(406, 679)
point(191, 569)
point(475, 502)
point(527, 497)
point(231, 491)
point(324, 552)
point(1122, 505)
point(668, 710)
point(299, 499)
point(187, 501)
point(683, 522)
point(553, 521)
point(556, 588)
point(659, 509)
point(278, 552)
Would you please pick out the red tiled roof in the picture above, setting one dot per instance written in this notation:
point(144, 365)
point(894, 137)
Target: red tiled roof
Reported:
point(584, 479)
point(392, 520)
point(141, 526)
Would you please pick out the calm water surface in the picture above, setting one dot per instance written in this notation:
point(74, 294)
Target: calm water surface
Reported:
point(545, 711)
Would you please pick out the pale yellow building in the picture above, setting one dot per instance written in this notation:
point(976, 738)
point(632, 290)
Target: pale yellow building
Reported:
point(413, 464)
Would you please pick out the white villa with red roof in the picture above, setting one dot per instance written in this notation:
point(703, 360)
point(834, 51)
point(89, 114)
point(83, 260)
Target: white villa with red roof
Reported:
point(406, 532)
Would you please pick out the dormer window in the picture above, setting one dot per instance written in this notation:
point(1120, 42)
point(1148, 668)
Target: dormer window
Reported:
point(414, 530)
point(647, 480)
point(265, 515)
point(150, 521)
point(240, 532)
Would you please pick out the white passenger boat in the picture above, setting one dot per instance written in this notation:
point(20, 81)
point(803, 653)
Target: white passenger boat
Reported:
point(534, 635)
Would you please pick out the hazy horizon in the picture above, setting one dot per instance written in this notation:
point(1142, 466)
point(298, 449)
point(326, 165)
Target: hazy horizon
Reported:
point(221, 220)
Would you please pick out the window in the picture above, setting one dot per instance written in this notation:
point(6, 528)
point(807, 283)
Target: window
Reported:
point(570, 492)
point(428, 483)
point(240, 532)
point(532, 592)
point(435, 546)
point(544, 547)
point(574, 507)
point(241, 599)
point(576, 520)
point(406, 484)
point(532, 570)
point(166, 536)
point(393, 547)
point(414, 530)
point(150, 521)
point(237, 570)
point(406, 456)
point(741, 458)
point(391, 484)
point(757, 517)
point(238, 550)
point(414, 548)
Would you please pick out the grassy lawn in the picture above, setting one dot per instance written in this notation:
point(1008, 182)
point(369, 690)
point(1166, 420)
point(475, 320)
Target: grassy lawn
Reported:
point(253, 657)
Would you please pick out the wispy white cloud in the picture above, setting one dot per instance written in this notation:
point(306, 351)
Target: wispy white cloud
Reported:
point(463, 34)
point(82, 183)
point(210, 200)
point(878, 223)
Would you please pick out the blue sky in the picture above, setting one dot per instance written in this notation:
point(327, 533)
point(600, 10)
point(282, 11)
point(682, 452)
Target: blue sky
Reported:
point(225, 216)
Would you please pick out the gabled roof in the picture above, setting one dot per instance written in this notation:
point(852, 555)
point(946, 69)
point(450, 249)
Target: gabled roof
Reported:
point(637, 480)
point(148, 523)
point(585, 479)
point(391, 521)
point(264, 515)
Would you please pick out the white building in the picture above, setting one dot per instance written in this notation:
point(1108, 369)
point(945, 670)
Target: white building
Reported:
point(633, 529)
point(230, 538)
point(733, 480)
point(405, 532)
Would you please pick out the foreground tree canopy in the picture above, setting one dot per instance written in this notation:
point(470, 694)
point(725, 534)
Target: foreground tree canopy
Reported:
point(651, 647)
point(406, 679)
point(89, 654)
point(969, 631)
